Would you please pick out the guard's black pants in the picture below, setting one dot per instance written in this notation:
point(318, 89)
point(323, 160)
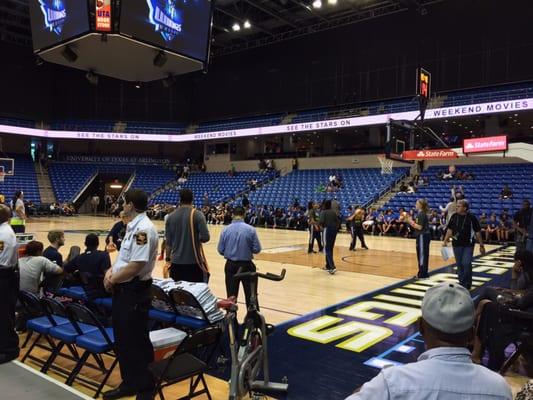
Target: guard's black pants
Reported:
point(131, 302)
point(232, 285)
point(9, 287)
point(357, 232)
point(422, 254)
point(314, 235)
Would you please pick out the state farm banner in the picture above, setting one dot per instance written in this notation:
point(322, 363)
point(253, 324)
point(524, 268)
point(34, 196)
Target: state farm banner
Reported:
point(103, 15)
point(432, 154)
point(485, 144)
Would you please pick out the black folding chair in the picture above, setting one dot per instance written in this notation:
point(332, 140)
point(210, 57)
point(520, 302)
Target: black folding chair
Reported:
point(37, 322)
point(191, 315)
point(163, 311)
point(523, 326)
point(190, 360)
point(97, 342)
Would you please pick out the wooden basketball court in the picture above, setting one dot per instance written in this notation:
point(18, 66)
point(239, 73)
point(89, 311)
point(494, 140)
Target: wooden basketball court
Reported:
point(306, 287)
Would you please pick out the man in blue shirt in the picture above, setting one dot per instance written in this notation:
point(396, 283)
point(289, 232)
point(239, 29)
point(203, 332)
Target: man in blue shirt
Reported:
point(445, 371)
point(238, 243)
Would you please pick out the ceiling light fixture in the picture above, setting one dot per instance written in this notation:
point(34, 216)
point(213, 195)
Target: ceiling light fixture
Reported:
point(317, 4)
point(247, 24)
point(332, 2)
point(236, 27)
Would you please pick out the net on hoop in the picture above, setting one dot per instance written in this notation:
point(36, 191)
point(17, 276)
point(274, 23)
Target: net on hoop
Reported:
point(386, 165)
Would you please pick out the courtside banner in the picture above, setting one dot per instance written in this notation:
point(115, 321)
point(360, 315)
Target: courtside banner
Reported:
point(435, 113)
point(485, 144)
point(429, 154)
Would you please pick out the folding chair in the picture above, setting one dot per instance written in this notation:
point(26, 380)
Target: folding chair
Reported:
point(190, 313)
point(65, 334)
point(190, 360)
point(37, 322)
point(523, 326)
point(163, 308)
point(98, 342)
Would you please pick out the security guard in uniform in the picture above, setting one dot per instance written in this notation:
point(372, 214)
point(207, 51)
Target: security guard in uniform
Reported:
point(130, 279)
point(9, 287)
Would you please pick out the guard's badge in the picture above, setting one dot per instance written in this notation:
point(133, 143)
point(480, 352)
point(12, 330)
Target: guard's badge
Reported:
point(1, 245)
point(141, 238)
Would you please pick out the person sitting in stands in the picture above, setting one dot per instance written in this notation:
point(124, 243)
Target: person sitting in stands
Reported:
point(445, 371)
point(93, 263)
point(492, 228)
point(506, 193)
point(56, 239)
point(493, 331)
point(33, 267)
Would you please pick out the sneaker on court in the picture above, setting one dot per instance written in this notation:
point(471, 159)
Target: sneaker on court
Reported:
point(332, 271)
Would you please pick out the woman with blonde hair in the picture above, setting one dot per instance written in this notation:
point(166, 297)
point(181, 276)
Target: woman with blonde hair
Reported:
point(423, 236)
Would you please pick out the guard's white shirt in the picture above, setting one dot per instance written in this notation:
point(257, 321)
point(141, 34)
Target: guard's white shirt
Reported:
point(8, 246)
point(139, 244)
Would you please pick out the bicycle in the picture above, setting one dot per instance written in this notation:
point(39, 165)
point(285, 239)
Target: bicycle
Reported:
point(249, 354)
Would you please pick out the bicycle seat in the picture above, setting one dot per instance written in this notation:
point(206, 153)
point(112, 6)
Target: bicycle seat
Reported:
point(227, 304)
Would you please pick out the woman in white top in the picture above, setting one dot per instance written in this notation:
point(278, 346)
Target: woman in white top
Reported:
point(18, 217)
point(33, 266)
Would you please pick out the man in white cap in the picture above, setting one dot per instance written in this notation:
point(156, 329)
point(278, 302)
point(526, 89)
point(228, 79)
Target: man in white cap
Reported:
point(445, 371)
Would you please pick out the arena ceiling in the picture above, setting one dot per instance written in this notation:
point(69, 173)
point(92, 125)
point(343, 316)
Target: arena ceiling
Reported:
point(260, 22)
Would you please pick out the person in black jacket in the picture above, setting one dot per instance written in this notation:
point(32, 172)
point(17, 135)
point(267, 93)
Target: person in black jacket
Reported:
point(91, 266)
point(116, 234)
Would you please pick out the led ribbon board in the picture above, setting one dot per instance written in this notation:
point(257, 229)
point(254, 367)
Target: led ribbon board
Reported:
point(435, 113)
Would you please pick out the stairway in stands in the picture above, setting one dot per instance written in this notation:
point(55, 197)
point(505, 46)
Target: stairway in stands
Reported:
point(44, 184)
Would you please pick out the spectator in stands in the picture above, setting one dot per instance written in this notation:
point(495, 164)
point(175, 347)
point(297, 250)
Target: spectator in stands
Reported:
point(92, 264)
point(31, 209)
point(493, 331)
point(245, 202)
point(464, 229)
point(262, 165)
point(369, 224)
point(506, 193)
point(33, 267)
point(185, 231)
point(294, 164)
point(18, 217)
point(411, 187)
point(203, 167)
point(434, 225)
point(445, 371)
point(484, 223)
point(504, 228)
point(182, 180)
point(492, 228)
point(57, 240)
point(388, 221)
point(403, 187)
point(116, 234)
point(522, 220)
point(270, 164)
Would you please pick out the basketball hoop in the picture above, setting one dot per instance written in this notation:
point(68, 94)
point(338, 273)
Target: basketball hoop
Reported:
point(386, 165)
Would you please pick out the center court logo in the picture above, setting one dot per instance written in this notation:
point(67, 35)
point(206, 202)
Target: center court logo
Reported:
point(54, 14)
point(165, 18)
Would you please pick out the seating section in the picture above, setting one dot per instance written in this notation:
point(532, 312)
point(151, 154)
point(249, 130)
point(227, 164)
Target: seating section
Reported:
point(360, 186)
point(25, 179)
point(483, 192)
point(68, 178)
point(219, 186)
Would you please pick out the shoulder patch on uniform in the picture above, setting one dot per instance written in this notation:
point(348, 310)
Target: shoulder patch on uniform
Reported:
point(1, 245)
point(141, 238)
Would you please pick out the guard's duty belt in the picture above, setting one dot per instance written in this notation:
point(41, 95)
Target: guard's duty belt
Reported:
point(134, 284)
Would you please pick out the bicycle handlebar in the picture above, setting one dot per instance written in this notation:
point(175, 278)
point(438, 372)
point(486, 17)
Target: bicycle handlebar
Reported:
point(270, 276)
